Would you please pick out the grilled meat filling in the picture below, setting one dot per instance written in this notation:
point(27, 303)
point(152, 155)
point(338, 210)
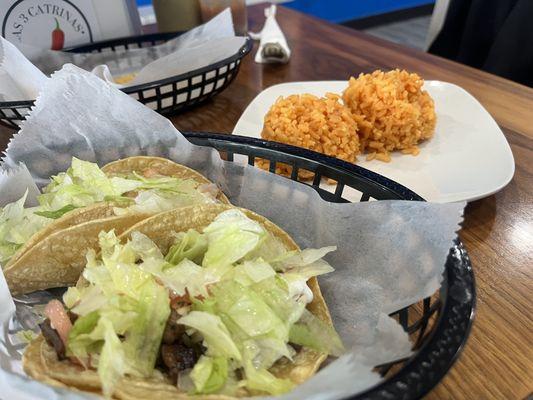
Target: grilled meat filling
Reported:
point(176, 358)
point(52, 338)
point(177, 352)
point(173, 331)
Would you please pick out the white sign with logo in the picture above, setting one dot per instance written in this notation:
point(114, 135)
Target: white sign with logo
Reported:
point(57, 24)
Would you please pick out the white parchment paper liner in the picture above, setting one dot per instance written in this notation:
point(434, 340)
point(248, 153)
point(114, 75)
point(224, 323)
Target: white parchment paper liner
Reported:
point(390, 253)
point(204, 45)
point(19, 78)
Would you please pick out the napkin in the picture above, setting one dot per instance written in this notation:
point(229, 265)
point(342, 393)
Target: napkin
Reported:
point(201, 46)
point(273, 47)
point(389, 253)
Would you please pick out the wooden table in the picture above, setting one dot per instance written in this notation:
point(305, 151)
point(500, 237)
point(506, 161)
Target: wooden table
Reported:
point(498, 230)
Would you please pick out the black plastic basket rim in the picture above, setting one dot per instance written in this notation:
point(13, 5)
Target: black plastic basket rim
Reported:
point(350, 168)
point(433, 344)
point(243, 51)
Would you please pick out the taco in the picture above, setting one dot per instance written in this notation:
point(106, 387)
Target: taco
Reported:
point(41, 246)
point(210, 300)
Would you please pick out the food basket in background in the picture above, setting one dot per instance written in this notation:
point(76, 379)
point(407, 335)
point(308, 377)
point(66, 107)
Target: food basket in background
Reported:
point(438, 326)
point(166, 96)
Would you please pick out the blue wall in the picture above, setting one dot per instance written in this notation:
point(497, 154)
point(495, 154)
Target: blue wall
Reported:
point(345, 10)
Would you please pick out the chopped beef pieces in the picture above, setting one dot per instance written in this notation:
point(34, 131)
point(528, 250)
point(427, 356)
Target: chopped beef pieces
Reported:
point(187, 357)
point(239, 373)
point(173, 374)
point(73, 317)
point(177, 357)
point(178, 352)
point(169, 356)
point(296, 347)
point(52, 338)
point(173, 330)
point(131, 194)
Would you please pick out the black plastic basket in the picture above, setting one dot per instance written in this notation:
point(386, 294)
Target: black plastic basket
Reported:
point(438, 326)
point(166, 96)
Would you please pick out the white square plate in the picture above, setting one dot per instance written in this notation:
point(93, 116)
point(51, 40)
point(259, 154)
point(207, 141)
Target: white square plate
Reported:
point(468, 158)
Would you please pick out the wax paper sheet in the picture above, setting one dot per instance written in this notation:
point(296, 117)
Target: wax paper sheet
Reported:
point(204, 45)
point(390, 253)
point(19, 78)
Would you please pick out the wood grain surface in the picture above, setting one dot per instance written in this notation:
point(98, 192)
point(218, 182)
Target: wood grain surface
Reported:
point(498, 230)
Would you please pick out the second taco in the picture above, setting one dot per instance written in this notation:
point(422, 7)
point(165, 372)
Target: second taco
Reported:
point(43, 247)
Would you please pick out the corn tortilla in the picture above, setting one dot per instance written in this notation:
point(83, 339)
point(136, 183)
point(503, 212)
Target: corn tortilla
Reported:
point(58, 259)
point(162, 166)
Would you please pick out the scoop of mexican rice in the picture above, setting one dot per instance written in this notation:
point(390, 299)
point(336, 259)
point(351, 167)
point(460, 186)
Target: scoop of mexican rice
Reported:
point(322, 124)
point(392, 112)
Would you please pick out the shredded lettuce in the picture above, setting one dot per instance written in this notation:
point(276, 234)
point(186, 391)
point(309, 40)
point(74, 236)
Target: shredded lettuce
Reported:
point(144, 338)
point(71, 297)
point(187, 277)
point(259, 379)
point(254, 326)
point(270, 351)
point(303, 258)
point(8, 250)
point(84, 183)
point(17, 225)
point(26, 335)
point(57, 213)
point(191, 245)
point(83, 334)
point(144, 248)
point(306, 272)
point(112, 363)
point(312, 332)
point(248, 311)
point(277, 296)
point(263, 381)
point(299, 267)
point(155, 201)
point(89, 300)
point(209, 374)
point(164, 193)
point(88, 332)
point(182, 277)
point(215, 334)
point(298, 289)
point(119, 263)
point(256, 306)
point(230, 237)
point(122, 312)
point(271, 250)
point(250, 272)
